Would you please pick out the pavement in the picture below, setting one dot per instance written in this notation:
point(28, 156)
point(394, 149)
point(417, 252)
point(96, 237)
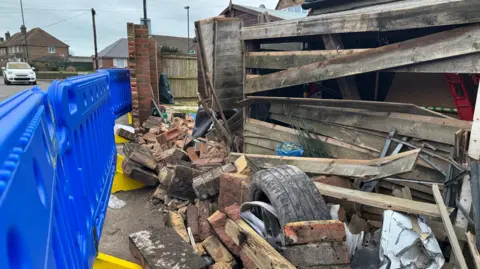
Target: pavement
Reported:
point(9, 90)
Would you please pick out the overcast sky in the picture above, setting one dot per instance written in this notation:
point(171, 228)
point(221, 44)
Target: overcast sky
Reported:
point(71, 22)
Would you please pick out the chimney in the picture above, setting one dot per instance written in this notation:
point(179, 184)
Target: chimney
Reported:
point(23, 29)
point(7, 35)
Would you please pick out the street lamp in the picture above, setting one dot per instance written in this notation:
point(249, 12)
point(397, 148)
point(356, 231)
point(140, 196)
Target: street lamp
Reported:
point(188, 28)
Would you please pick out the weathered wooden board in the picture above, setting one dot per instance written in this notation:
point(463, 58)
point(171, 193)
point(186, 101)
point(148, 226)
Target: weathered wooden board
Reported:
point(269, 135)
point(447, 44)
point(288, 59)
point(366, 105)
point(347, 5)
point(422, 127)
point(398, 16)
point(379, 200)
point(262, 254)
point(281, 60)
point(363, 169)
point(457, 250)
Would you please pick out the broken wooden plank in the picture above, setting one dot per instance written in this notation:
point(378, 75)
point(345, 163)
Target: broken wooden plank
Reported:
point(471, 240)
point(422, 127)
point(461, 41)
point(347, 85)
point(176, 222)
point(216, 250)
point(379, 200)
point(260, 252)
point(357, 104)
point(457, 250)
point(399, 16)
point(363, 169)
point(218, 220)
point(163, 248)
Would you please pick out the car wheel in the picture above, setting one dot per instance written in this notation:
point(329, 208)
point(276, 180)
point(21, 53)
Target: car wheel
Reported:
point(6, 82)
point(291, 193)
point(34, 83)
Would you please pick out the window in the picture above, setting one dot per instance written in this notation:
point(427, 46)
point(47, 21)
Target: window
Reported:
point(298, 9)
point(120, 63)
point(51, 49)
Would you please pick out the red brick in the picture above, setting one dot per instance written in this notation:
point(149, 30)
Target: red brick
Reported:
point(217, 221)
point(192, 221)
point(233, 190)
point(204, 212)
point(305, 232)
point(192, 154)
point(233, 212)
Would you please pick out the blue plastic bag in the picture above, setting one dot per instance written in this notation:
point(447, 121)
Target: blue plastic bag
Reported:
point(289, 149)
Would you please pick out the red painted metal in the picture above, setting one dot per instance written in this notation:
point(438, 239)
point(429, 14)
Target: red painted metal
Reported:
point(460, 96)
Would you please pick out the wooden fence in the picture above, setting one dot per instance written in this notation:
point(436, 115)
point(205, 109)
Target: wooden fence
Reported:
point(181, 70)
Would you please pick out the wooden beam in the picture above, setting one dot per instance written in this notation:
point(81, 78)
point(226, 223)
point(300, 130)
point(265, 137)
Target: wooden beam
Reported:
point(450, 43)
point(473, 249)
point(262, 254)
point(457, 250)
point(367, 105)
point(287, 59)
point(348, 85)
point(399, 16)
point(364, 169)
point(281, 60)
point(379, 200)
point(422, 127)
point(347, 5)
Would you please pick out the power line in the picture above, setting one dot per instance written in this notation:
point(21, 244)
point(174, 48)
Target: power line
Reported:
point(64, 20)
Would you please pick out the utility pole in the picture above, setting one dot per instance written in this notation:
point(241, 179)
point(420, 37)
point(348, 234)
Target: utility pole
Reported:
point(188, 28)
point(95, 38)
point(145, 12)
point(25, 34)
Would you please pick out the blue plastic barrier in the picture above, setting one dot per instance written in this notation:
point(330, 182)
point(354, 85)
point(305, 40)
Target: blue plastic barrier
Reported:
point(27, 181)
point(121, 95)
point(87, 157)
point(57, 163)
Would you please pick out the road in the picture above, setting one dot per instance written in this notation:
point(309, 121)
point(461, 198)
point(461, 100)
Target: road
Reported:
point(7, 91)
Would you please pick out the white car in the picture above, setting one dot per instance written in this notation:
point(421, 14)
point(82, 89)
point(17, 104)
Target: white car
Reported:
point(18, 72)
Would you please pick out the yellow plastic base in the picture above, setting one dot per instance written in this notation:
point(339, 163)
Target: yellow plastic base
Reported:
point(105, 261)
point(120, 140)
point(130, 118)
point(121, 182)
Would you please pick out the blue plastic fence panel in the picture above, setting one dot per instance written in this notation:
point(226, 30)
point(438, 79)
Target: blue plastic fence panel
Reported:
point(87, 156)
point(121, 95)
point(27, 181)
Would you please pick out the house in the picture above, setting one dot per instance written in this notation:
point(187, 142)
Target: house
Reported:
point(254, 15)
point(291, 6)
point(39, 44)
point(116, 55)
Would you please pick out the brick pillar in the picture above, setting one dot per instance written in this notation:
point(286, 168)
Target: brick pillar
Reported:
point(153, 49)
point(139, 64)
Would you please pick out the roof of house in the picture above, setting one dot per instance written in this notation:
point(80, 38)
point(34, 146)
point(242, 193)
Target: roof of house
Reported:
point(288, 3)
point(282, 15)
point(35, 37)
point(119, 49)
point(173, 41)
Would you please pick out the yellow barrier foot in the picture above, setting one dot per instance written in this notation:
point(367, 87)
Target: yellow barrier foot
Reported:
point(105, 261)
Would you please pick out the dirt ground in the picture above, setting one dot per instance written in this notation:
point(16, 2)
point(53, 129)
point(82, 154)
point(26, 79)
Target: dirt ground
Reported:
point(138, 214)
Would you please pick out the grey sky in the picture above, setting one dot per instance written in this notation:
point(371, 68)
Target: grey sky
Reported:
point(168, 18)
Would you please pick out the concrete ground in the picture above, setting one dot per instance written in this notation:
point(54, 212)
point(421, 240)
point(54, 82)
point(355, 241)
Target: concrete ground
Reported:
point(9, 90)
point(138, 214)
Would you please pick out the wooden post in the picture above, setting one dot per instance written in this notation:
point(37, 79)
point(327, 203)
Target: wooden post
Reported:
point(474, 154)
